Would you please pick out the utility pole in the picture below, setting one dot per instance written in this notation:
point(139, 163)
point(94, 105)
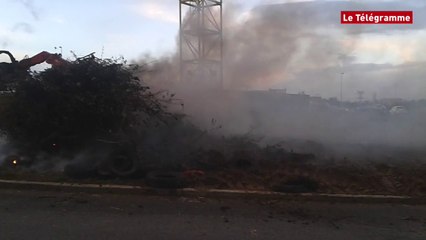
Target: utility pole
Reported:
point(201, 42)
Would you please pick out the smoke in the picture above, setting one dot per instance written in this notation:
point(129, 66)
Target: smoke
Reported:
point(268, 45)
point(302, 47)
point(274, 46)
point(17, 28)
point(261, 50)
point(30, 6)
point(3, 150)
point(22, 26)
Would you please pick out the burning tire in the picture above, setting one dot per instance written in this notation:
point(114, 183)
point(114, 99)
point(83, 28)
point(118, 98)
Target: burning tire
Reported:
point(123, 164)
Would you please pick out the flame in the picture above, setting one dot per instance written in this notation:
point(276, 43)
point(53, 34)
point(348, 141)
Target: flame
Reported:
point(15, 162)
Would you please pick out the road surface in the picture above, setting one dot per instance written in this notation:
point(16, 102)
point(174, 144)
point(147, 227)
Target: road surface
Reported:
point(55, 215)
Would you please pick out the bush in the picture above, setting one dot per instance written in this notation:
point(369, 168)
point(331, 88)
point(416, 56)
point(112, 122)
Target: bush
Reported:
point(73, 105)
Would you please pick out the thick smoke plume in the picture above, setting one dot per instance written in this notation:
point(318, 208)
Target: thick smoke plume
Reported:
point(262, 50)
point(303, 47)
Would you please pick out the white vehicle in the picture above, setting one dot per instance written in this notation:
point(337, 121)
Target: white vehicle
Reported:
point(398, 110)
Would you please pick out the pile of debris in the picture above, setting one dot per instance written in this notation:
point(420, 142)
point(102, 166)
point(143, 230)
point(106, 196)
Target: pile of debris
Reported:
point(85, 110)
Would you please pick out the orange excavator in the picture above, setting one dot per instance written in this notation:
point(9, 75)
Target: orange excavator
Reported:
point(51, 58)
point(13, 70)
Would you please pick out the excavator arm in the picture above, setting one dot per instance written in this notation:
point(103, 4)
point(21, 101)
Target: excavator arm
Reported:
point(12, 58)
point(53, 59)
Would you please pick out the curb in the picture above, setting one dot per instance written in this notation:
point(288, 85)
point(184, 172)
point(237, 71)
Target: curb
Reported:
point(73, 187)
point(208, 193)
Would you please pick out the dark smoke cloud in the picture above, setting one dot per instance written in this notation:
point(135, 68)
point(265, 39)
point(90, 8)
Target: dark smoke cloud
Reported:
point(283, 42)
point(303, 47)
point(278, 41)
point(260, 50)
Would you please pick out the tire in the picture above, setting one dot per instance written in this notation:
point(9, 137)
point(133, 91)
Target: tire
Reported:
point(165, 180)
point(123, 164)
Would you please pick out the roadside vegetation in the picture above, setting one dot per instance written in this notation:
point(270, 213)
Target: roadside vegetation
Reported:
point(94, 119)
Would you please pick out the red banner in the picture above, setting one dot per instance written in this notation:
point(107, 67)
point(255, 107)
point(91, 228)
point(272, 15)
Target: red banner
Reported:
point(376, 17)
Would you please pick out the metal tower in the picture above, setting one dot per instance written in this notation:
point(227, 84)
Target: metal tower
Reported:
point(201, 42)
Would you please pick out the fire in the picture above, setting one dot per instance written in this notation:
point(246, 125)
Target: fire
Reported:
point(15, 162)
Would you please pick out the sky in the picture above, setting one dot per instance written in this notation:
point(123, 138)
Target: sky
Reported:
point(135, 28)
point(116, 28)
point(126, 28)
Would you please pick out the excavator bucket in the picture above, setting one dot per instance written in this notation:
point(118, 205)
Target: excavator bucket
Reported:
point(12, 58)
point(9, 73)
point(13, 71)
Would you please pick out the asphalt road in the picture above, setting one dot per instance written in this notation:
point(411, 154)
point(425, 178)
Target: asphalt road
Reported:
point(55, 215)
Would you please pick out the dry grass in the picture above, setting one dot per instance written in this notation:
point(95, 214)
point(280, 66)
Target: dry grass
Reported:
point(347, 178)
